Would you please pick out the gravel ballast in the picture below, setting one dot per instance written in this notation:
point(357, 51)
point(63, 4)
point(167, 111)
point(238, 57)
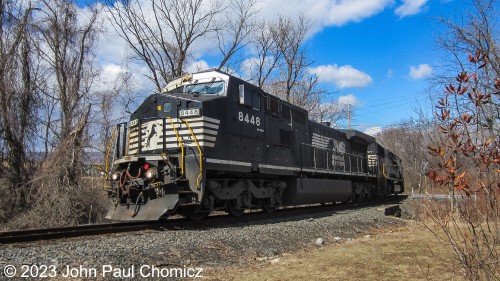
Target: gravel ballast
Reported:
point(221, 245)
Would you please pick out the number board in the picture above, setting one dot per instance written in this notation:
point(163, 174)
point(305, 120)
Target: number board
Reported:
point(189, 112)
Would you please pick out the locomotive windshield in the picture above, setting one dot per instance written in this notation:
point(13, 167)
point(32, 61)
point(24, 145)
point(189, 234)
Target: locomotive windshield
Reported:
point(209, 88)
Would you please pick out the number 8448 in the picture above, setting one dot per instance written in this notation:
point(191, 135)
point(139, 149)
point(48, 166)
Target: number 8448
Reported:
point(250, 119)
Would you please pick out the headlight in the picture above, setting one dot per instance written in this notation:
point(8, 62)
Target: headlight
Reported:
point(116, 175)
point(151, 173)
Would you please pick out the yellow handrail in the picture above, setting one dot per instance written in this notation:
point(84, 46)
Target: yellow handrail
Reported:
point(180, 144)
point(109, 150)
point(128, 139)
point(199, 150)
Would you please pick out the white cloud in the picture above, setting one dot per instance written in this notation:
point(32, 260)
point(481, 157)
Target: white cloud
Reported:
point(421, 71)
point(410, 7)
point(343, 77)
point(250, 67)
point(196, 66)
point(110, 73)
point(348, 99)
point(112, 76)
point(373, 131)
point(324, 12)
point(344, 11)
point(113, 50)
point(111, 70)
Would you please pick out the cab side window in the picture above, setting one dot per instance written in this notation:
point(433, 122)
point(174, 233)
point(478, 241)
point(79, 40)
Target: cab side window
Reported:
point(249, 98)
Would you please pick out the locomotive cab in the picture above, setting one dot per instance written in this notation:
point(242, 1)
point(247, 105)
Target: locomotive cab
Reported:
point(157, 157)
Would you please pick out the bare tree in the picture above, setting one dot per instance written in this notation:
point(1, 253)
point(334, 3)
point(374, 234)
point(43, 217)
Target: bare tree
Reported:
point(267, 54)
point(474, 31)
point(408, 140)
point(63, 37)
point(293, 83)
point(289, 36)
point(467, 168)
point(161, 33)
point(236, 30)
point(18, 87)
point(331, 112)
point(280, 67)
point(110, 108)
point(306, 92)
point(67, 45)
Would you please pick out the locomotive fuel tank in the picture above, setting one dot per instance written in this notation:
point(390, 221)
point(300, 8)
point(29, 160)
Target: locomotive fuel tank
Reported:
point(303, 191)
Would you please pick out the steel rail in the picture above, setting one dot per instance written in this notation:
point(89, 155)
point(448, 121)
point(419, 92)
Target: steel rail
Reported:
point(74, 231)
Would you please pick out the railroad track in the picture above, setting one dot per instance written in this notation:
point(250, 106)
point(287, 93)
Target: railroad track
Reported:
point(217, 220)
point(75, 231)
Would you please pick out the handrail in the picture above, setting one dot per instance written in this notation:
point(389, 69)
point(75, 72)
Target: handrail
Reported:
point(199, 150)
point(331, 150)
point(128, 132)
point(109, 150)
point(180, 144)
point(384, 172)
point(361, 160)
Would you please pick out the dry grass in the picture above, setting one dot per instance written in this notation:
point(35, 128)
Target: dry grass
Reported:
point(55, 206)
point(408, 253)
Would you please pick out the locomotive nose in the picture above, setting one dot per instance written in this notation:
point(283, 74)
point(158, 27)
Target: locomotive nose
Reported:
point(148, 209)
point(137, 194)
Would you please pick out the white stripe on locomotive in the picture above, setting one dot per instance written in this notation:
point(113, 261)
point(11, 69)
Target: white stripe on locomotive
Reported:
point(204, 128)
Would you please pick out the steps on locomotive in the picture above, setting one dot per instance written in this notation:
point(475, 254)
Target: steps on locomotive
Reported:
point(186, 196)
point(183, 186)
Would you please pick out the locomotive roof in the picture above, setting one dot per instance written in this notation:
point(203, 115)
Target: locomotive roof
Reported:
point(210, 73)
point(205, 74)
point(359, 136)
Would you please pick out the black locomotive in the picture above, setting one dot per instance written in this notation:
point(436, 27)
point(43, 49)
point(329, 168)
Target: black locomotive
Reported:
point(211, 141)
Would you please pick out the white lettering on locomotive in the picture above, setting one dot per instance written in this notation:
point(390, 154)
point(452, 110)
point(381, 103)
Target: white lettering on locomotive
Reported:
point(189, 112)
point(337, 146)
point(133, 122)
point(249, 119)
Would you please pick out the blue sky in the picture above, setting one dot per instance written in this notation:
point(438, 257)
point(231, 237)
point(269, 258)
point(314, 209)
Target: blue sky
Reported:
point(385, 47)
point(376, 54)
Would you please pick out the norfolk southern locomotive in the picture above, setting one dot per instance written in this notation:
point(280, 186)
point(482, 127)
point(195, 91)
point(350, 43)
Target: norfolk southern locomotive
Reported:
point(211, 141)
